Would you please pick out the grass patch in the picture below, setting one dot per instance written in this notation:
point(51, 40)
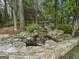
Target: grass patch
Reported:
point(73, 54)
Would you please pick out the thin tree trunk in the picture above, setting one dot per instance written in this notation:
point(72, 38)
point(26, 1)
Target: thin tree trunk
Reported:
point(55, 13)
point(14, 14)
point(75, 24)
point(15, 21)
point(75, 27)
point(5, 9)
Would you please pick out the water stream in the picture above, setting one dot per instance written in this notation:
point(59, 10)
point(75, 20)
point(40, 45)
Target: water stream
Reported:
point(8, 48)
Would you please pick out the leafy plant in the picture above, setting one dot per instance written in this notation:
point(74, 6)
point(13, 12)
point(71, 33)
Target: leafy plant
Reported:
point(67, 28)
point(32, 27)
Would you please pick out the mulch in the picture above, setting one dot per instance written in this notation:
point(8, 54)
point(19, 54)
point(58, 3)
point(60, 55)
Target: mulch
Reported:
point(8, 30)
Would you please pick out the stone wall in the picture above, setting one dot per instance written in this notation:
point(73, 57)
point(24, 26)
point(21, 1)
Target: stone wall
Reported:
point(51, 50)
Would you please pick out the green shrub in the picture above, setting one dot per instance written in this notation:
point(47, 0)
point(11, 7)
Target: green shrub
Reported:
point(67, 28)
point(32, 27)
point(51, 26)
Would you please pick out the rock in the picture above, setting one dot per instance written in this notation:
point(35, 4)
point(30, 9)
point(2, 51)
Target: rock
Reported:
point(50, 44)
point(36, 38)
point(17, 40)
point(4, 36)
point(30, 41)
point(19, 44)
point(56, 32)
point(56, 35)
point(34, 34)
point(77, 33)
point(23, 49)
point(35, 49)
point(14, 40)
point(42, 36)
point(67, 36)
point(29, 37)
point(23, 34)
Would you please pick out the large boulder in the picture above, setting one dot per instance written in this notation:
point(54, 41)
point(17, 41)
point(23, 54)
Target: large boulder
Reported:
point(67, 36)
point(50, 44)
point(36, 38)
point(20, 46)
point(23, 34)
point(56, 35)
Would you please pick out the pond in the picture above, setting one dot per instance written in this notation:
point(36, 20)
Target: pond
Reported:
point(73, 54)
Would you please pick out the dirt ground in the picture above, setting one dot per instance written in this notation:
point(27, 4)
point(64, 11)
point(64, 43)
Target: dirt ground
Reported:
point(8, 30)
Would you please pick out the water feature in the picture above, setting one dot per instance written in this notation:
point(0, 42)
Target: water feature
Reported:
point(8, 48)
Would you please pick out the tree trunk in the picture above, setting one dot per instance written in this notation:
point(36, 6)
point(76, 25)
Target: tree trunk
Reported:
point(21, 14)
point(13, 8)
point(75, 27)
point(15, 21)
point(5, 9)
